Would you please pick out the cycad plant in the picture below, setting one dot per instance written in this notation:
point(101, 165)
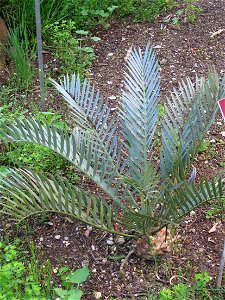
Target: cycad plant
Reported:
point(135, 195)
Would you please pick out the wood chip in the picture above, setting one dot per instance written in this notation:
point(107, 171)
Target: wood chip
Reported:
point(218, 32)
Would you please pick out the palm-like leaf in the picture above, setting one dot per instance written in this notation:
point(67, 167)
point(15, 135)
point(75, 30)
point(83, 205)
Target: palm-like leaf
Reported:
point(188, 197)
point(91, 114)
point(78, 148)
point(26, 193)
point(139, 111)
point(189, 114)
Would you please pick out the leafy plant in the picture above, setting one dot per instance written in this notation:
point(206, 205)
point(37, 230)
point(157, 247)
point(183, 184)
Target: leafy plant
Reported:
point(77, 277)
point(51, 11)
point(36, 157)
point(70, 45)
point(21, 56)
point(137, 198)
point(183, 291)
point(189, 13)
point(142, 10)
point(22, 281)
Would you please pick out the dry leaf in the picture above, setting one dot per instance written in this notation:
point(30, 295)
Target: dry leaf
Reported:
point(214, 228)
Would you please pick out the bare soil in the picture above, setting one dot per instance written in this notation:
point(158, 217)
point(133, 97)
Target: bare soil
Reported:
point(183, 50)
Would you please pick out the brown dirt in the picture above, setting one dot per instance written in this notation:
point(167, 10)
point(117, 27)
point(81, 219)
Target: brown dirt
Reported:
point(183, 50)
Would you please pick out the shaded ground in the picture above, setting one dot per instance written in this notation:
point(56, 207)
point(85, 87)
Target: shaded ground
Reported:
point(183, 50)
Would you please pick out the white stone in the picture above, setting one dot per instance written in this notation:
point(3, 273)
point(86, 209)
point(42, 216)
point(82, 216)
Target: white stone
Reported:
point(57, 237)
point(97, 295)
point(109, 242)
point(112, 97)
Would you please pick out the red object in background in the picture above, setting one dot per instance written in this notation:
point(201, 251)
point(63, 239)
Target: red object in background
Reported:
point(221, 103)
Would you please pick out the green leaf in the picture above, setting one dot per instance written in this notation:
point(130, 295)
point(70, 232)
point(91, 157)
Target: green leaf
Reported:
point(87, 49)
point(95, 39)
point(72, 294)
point(112, 8)
point(79, 275)
point(82, 32)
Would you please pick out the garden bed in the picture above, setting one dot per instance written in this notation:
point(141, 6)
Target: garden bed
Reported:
point(183, 49)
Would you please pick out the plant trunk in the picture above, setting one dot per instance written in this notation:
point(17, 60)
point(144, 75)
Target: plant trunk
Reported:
point(3, 41)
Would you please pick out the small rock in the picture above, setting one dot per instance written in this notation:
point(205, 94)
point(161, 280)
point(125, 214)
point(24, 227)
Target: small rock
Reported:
point(192, 213)
point(93, 247)
point(55, 270)
point(110, 242)
point(212, 141)
point(57, 237)
point(109, 82)
point(112, 97)
point(157, 47)
point(85, 263)
point(222, 133)
point(113, 108)
point(97, 295)
point(120, 240)
point(163, 61)
point(41, 239)
point(66, 243)
point(50, 223)
point(110, 54)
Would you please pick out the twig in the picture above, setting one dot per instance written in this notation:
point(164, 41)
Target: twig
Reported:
point(126, 259)
point(161, 280)
point(217, 33)
point(222, 262)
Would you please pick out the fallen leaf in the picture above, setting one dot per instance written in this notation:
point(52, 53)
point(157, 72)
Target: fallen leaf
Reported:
point(214, 228)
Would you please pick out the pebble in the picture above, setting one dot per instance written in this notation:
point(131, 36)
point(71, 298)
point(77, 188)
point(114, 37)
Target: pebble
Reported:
point(120, 240)
point(110, 242)
point(157, 47)
point(85, 263)
point(66, 243)
point(50, 223)
point(41, 239)
point(57, 237)
point(212, 141)
point(66, 238)
point(163, 61)
point(112, 97)
point(192, 213)
point(97, 295)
